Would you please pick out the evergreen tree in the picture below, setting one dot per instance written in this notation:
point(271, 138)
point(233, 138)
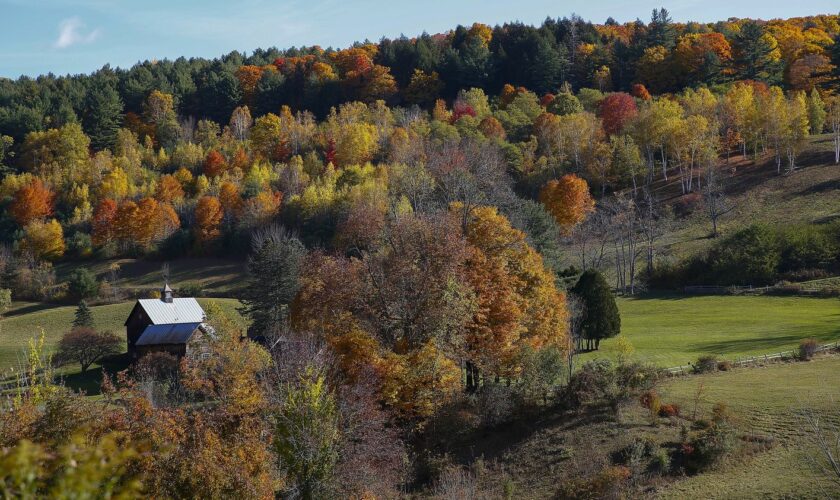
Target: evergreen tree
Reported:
point(834, 54)
point(274, 268)
point(661, 30)
point(84, 318)
point(600, 318)
point(103, 114)
point(757, 55)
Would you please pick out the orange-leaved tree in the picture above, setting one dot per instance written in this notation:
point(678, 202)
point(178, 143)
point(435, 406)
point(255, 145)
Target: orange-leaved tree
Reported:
point(568, 200)
point(33, 201)
point(208, 218)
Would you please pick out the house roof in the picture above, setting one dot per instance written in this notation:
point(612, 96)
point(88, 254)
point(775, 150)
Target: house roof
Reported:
point(181, 310)
point(177, 333)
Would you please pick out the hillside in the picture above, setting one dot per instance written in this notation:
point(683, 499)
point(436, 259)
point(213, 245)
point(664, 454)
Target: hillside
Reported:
point(537, 456)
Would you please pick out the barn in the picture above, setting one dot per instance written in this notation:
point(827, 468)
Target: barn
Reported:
point(167, 324)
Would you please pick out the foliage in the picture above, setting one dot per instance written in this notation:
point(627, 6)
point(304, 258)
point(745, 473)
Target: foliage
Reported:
point(83, 316)
point(82, 283)
point(274, 269)
point(601, 318)
point(706, 364)
point(45, 240)
point(86, 346)
point(568, 200)
point(306, 435)
point(807, 349)
point(33, 201)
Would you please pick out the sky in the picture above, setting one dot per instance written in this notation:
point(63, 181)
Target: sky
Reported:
point(80, 36)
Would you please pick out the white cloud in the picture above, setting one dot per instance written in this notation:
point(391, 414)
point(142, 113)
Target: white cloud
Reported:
point(70, 32)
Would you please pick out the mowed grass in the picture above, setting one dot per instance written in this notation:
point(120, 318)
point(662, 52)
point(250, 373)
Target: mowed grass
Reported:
point(767, 401)
point(674, 330)
point(221, 277)
point(26, 320)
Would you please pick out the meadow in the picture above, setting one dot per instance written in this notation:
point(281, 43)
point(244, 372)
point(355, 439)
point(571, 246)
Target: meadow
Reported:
point(26, 320)
point(766, 401)
point(673, 330)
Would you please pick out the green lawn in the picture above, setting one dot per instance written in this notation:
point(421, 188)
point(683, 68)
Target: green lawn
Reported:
point(675, 330)
point(766, 401)
point(26, 319)
point(220, 277)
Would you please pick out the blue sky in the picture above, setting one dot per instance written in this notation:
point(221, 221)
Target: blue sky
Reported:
point(73, 36)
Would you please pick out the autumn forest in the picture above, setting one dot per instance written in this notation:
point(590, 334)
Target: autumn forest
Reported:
point(433, 234)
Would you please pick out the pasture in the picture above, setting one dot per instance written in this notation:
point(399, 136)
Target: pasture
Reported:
point(765, 401)
point(672, 330)
point(25, 320)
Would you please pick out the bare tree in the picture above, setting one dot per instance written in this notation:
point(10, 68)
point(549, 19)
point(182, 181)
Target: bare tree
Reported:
point(627, 236)
point(654, 222)
point(472, 174)
point(714, 196)
point(590, 240)
point(824, 434)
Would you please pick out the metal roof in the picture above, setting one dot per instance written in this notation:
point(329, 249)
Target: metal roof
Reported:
point(183, 310)
point(179, 333)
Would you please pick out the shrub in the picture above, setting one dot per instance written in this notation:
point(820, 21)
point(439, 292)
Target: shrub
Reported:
point(601, 382)
point(687, 204)
point(660, 461)
point(669, 410)
point(496, 404)
point(807, 349)
point(80, 245)
point(749, 257)
point(82, 284)
point(542, 371)
point(708, 447)
point(86, 346)
point(609, 483)
point(156, 366)
point(650, 400)
point(724, 365)
point(706, 364)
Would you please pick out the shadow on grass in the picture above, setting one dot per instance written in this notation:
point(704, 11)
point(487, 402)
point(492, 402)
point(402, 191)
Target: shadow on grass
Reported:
point(90, 382)
point(661, 295)
point(765, 344)
point(32, 308)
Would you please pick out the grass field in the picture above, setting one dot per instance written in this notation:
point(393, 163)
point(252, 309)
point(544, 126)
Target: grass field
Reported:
point(766, 401)
point(26, 319)
point(672, 330)
point(221, 277)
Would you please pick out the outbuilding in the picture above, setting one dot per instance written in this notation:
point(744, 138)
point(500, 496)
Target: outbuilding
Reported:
point(167, 324)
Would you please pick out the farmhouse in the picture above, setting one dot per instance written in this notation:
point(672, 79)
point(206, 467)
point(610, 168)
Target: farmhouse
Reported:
point(167, 324)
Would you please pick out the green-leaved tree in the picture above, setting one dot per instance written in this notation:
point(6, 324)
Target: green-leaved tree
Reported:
point(600, 319)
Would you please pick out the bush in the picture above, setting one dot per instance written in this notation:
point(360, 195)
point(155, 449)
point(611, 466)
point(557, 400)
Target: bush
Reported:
point(80, 245)
point(708, 447)
point(496, 404)
point(724, 365)
point(542, 371)
point(706, 364)
point(82, 284)
point(86, 346)
point(687, 204)
point(749, 257)
point(601, 382)
point(609, 483)
point(807, 349)
point(156, 366)
point(669, 410)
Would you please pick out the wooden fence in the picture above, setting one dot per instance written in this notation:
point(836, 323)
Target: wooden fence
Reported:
point(755, 360)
